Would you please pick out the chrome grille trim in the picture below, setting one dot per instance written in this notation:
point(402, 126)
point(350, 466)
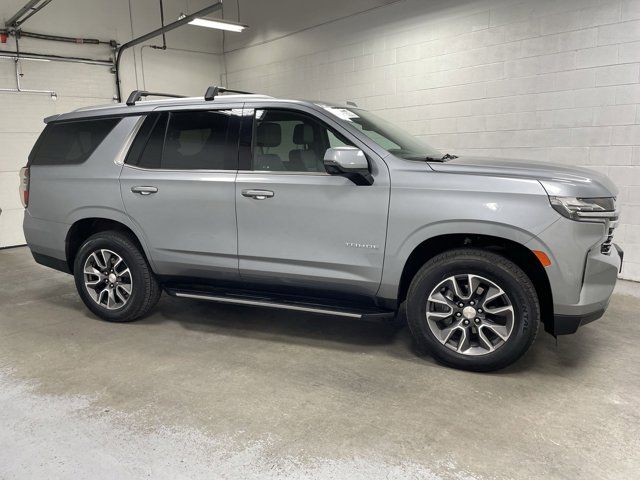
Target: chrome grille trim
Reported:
point(607, 245)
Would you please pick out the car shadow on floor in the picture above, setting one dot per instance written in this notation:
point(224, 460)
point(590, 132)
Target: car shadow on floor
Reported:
point(270, 324)
point(332, 332)
point(574, 352)
point(281, 326)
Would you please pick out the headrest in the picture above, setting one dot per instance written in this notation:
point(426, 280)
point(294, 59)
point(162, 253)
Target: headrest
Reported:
point(303, 134)
point(269, 134)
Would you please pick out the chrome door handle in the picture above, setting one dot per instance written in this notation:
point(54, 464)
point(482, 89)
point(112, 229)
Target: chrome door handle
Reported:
point(258, 194)
point(144, 190)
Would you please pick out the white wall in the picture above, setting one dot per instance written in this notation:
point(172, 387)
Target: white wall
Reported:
point(555, 80)
point(190, 64)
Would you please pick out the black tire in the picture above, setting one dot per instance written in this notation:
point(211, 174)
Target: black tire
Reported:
point(145, 291)
point(496, 268)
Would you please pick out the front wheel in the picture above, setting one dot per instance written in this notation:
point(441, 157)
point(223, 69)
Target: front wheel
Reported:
point(473, 309)
point(114, 279)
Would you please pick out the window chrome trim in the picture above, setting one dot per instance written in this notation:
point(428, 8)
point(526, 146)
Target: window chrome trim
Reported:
point(124, 151)
point(282, 172)
point(260, 172)
point(177, 170)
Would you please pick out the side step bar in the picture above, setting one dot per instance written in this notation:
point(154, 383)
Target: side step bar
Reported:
point(284, 304)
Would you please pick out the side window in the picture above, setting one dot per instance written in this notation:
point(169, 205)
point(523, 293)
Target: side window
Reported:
point(138, 144)
point(285, 140)
point(337, 140)
point(151, 156)
point(73, 142)
point(200, 140)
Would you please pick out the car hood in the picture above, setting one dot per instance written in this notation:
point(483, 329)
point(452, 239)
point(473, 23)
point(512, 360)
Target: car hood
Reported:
point(560, 180)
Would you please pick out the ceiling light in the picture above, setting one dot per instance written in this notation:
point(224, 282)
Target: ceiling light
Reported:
point(218, 24)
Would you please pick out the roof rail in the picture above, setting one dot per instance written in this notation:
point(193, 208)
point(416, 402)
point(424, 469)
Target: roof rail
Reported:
point(138, 94)
point(213, 91)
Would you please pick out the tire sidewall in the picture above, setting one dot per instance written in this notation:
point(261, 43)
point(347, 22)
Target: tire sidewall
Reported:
point(124, 249)
point(525, 307)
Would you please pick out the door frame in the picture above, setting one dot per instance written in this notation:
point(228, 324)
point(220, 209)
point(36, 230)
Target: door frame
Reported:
point(377, 166)
point(121, 161)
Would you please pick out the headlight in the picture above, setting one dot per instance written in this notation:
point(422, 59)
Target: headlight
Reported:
point(585, 209)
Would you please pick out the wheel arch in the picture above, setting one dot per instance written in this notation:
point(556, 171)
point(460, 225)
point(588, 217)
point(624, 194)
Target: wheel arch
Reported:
point(83, 228)
point(514, 251)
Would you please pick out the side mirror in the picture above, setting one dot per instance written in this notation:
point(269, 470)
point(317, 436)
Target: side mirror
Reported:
point(349, 162)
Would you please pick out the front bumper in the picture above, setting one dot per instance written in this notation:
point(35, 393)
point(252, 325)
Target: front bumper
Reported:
point(568, 324)
point(582, 274)
point(601, 273)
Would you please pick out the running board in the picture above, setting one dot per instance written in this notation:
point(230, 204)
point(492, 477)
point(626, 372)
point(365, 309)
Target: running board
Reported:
point(284, 304)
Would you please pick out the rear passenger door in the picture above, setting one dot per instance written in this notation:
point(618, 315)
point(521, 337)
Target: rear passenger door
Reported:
point(178, 185)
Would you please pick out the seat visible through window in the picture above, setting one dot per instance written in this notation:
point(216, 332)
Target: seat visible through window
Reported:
point(269, 135)
point(304, 158)
point(287, 140)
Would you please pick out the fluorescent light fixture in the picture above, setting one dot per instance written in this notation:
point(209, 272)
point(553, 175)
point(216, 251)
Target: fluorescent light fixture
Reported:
point(218, 24)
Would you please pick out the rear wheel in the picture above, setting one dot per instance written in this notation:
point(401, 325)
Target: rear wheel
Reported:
point(114, 279)
point(473, 309)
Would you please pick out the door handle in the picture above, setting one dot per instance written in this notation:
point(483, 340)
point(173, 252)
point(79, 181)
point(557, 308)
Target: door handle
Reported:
point(258, 194)
point(142, 190)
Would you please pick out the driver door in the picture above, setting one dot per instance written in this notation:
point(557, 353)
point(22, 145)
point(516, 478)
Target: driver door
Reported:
point(298, 226)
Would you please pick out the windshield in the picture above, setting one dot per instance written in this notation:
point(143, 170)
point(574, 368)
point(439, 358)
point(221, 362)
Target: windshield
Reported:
point(390, 137)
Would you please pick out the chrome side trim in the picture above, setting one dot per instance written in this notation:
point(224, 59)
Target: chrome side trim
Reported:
point(258, 303)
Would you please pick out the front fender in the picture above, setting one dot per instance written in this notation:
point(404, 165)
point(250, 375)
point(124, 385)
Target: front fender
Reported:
point(425, 205)
point(396, 261)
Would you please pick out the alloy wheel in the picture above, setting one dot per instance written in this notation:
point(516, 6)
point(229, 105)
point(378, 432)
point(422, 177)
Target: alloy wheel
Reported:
point(108, 279)
point(470, 314)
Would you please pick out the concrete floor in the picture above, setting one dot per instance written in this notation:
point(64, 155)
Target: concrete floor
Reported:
point(201, 390)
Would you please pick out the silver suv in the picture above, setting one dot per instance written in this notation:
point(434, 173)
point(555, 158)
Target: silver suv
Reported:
point(323, 208)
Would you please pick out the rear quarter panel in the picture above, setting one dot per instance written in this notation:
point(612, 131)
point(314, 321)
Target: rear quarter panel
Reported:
point(64, 194)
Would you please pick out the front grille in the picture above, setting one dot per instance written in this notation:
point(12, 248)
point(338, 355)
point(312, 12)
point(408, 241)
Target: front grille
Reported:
point(608, 243)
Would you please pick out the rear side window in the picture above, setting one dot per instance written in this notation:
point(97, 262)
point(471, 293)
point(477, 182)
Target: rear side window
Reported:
point(69, 143)
point(201, 140)
point(151, 155)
